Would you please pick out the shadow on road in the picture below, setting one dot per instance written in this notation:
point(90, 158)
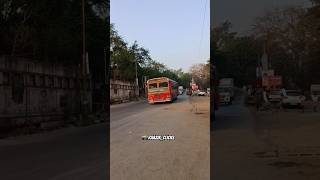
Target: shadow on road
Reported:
point(230, 116)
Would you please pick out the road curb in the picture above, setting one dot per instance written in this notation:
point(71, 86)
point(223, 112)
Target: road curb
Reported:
point(127, 103)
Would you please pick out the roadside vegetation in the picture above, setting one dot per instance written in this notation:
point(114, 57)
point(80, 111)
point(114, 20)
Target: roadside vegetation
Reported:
point(290, 36)
point(51, 31)
point(125, 57)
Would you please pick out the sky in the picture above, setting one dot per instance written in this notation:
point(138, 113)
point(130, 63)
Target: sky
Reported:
point(241, 13)
point(176, 32)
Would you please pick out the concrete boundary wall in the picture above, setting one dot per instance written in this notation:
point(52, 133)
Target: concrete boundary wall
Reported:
point(122, 91)
point(33, 92)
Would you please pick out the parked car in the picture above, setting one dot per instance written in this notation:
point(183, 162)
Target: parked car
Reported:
point(293, 98)
point(225, 96)
point(315, 92)
point(181, 90)
point(201, 93)
point(227, 83)
point(275, 96)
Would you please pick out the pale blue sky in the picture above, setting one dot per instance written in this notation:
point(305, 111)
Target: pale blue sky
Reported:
point(170, 29)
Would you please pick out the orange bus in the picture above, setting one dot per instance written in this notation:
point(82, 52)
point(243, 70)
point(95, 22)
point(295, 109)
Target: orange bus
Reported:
point(162, 89)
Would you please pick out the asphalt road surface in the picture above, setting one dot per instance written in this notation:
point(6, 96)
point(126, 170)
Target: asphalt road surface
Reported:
point(81, 152)
point(250, 145)
point(64, 154)
point(186, 157)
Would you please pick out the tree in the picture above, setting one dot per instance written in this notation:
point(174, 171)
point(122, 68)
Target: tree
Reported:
point(185, 79)
point(234, 56)
point(124, 57)
point(291, 38)
point(51, 30)
point(310, 25)
point(290, 35)
point(200, 73)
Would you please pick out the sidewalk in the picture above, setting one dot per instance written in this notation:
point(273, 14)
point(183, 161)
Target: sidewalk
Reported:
point(139, 99)
point(28, 131)
point(119, 105)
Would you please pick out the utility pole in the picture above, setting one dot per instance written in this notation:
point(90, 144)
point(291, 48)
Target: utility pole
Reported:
point(105, 79)
point(105, 67)
point(83, 36)
point(137, 82)
point(81, 71)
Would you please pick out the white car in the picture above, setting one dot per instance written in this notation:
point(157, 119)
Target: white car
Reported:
point(292, 98)
point(275, 96)
point(201, 93)
point(195, 93)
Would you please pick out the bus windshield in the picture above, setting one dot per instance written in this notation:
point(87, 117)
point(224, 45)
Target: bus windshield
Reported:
point(163, 85)
point(153, 86)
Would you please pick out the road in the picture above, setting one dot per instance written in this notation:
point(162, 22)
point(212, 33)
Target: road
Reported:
point(186, 157)
point(264, 145)
point(81, 152)
point(64, 154)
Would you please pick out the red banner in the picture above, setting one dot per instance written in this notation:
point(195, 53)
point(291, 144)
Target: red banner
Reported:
point(194, 87)
point(272, 81)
